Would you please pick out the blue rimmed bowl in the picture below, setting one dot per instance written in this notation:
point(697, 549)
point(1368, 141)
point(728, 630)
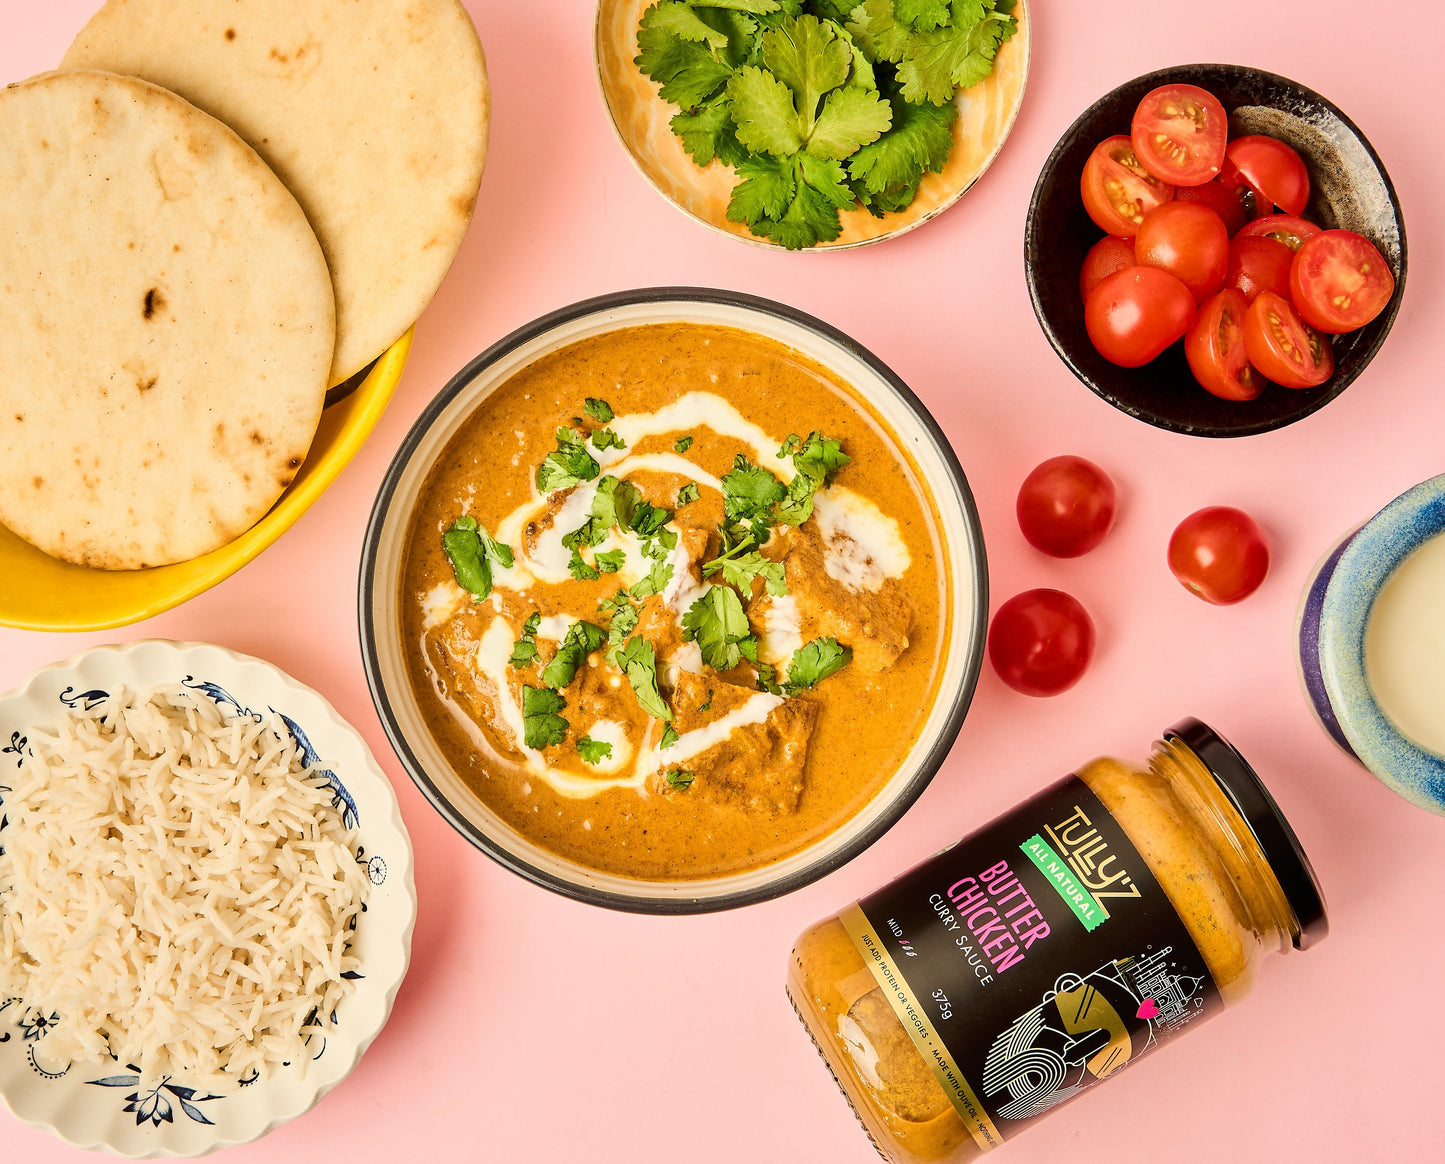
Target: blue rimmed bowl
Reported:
point(1333, 618)
point(104, 1105)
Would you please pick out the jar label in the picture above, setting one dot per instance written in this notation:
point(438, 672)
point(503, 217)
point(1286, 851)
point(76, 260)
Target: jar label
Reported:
point(1032, 959)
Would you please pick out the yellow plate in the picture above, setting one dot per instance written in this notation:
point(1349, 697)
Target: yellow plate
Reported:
point(986, 114)
point(38, 592)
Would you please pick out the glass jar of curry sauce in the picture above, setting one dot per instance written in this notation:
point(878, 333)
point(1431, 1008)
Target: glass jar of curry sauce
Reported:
point(1054, 947)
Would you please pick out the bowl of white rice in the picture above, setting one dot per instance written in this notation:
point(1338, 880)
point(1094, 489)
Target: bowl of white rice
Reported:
point(206, 899)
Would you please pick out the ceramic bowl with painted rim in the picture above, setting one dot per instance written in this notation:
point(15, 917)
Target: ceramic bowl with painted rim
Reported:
point(642, 120)
point(1334, 618)
point(102, 1105)
point(1349, 189)
point(385, 654)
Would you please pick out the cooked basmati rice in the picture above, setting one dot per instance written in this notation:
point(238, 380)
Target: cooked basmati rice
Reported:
point(177, 888)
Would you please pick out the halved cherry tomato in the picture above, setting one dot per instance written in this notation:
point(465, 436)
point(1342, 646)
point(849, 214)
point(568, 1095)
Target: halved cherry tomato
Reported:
point(1285, 228)
point(1118, 191)
point(1258, 264)
point(1134, 315)
point(1106, 256)
point(1189, 241)
point(1282, 346)
point(1255, 204)
point(1219, 554)
point(1339, 281)
point(1272, 168)
point(1215, 348)
point(1179, 134)
point(1220, 199)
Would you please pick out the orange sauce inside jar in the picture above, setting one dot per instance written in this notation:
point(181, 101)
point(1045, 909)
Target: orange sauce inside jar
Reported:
point(1202, 829)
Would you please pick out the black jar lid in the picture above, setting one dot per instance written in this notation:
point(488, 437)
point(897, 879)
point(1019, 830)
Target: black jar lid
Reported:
point(1281, 848)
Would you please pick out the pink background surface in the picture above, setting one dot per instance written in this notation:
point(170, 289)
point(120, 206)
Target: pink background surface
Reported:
point(531, 1028)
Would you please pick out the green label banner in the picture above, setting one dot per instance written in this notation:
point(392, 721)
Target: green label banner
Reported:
point(1083, 903)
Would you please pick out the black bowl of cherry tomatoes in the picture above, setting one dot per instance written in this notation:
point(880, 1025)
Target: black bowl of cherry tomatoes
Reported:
point(1215, 250)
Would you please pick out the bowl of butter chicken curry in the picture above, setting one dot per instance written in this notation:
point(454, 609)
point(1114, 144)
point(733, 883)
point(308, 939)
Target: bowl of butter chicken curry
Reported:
point(673, 600)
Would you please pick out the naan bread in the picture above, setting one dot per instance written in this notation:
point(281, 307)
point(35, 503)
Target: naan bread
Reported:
point(373, 112)
point(166, 324)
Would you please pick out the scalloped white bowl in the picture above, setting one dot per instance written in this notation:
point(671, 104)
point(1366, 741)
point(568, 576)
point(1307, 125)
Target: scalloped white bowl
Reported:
point(101, 1106)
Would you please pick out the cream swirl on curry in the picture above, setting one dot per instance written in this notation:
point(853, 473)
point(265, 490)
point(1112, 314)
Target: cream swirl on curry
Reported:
point(676, 601)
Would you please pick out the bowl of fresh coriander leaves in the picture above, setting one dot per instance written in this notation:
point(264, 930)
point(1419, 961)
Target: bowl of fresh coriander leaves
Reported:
point(812, 124)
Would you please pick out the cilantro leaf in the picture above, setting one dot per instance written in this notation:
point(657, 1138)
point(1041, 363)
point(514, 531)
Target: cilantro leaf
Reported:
point(656, 580)
point(615, 503)
point(593, 751)
point(598, 410)
point(624, 622)
point(471, 552)
point(680, 779)
point(647, 520)
point(682, 444)
point(763, 111)
point(749, 489)
point(686, 70)
point(815, 661)
point(709, 133)
point(639, 662)
point(716, 622)
point(760, 7)
point(605, 438)
point(879, 32)
point(820, 191)
point(677, 18)
point(961, 55)
point(581, 640)
point(765, 192)
point(579, 569)
point(768, 678)
point(852, 117)
point(524, 650)
point(920, 140)
point(922, 14)
point(742, 570)
point(806, 56)
point(708, 705)
point(570, 465)
point(670, 736)
point(817, 459)
point(542, 727)
point(791, 444)
point(748, 648)
point(687, 494)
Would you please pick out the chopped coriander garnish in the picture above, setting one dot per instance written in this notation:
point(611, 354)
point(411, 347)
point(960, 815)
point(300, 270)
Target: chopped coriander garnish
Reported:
point(683, 443)
point(624, 622)
point(610, 562)
point(605, 438)
point(598, 410)
point(593, 751)
point(570, 465)
point(615, 503)
point(581, 640)
point(790, 445)
point(616, 604)
point(717, 624)
point(542, 726)
point(749, 490)
point(471, 551)
point(524, 650)
point(670, 736)
point(648, 519)
point(708, 705)
point(815, 661)
point(740, 571)
point(768, 678)
point(680, 779)
point(687, 494)
point(816, 460)
point(639, 661)
point(579, 569)
point(656, 580)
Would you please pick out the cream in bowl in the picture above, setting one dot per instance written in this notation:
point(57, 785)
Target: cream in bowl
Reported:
point(673, 600)
point(1372, 644)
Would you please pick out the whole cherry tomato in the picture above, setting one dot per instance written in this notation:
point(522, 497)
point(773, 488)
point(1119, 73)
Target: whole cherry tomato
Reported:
point(1134, 315)
point(1041, 642)
point(1283, 346)
point(1117, 191)
point(1339, 281)
point(1066, 506)
point(1219, 554)
point(1223, 200)
point(1106, 256)
point(1272, 168)
point(1215, 348)
point(1258, 264)
point(1188, 240)
point(1179, 134)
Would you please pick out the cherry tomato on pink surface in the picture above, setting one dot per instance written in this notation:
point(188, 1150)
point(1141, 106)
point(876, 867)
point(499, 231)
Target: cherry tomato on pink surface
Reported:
point(1189, 241)
point(1223, 200)
point(1272, 168)
point(1108, 255)
point(1117, 191)
point(1288, 229)
point(1215, 348)
point(1066, 506)
point(1134, 315)
point(1219, 554)
point(1258, 264)
point(1339, 281)
point(1283, 347)
point(1041, 642)
point(1179, 134)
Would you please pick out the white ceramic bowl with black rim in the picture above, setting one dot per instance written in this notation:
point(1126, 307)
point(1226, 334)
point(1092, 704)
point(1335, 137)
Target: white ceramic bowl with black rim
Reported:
point(104, 1106)
point(383, 556)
